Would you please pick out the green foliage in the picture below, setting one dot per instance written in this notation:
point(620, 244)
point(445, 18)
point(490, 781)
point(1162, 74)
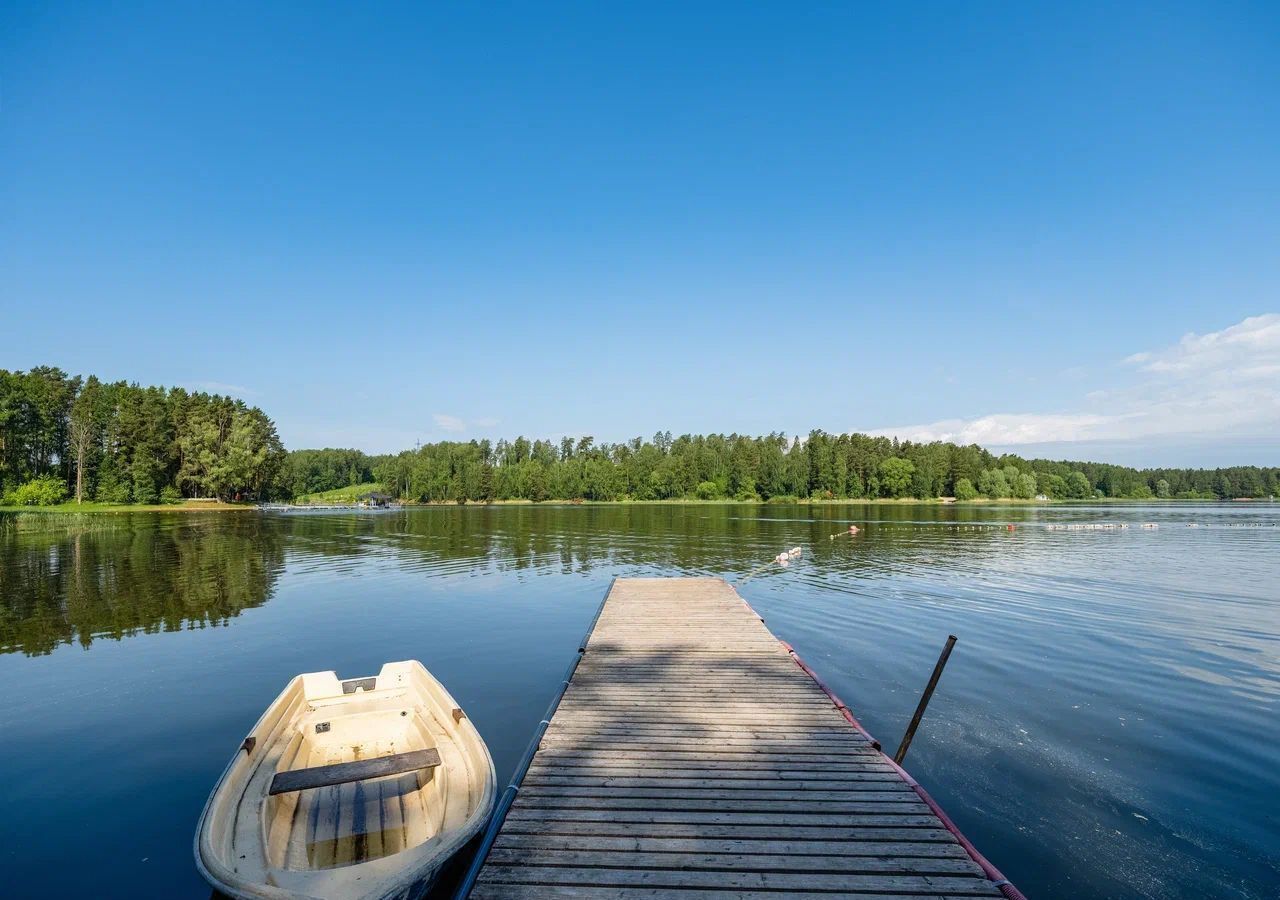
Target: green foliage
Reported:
point(823, 466)
point(228, 451)
point(993, 483)
point(111, 490)
point(342, 495)
point(316, 471)
point(45, 491)
point(1078, 487)
point(1010, 481)
point(1051, 485)
point(964, 489)
point(1024, 486)
point(895, 476)
point(121, 442)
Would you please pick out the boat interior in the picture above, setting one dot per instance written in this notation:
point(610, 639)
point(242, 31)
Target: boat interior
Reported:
point(365, 818)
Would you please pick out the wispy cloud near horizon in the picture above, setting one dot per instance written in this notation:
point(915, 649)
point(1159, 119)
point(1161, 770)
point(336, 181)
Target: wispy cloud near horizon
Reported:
point(1221, 384)
point(449, 423)
point(458, 425)
point(221, 387)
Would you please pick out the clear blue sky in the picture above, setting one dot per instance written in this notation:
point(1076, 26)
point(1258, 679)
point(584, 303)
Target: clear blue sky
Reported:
point(388, 223)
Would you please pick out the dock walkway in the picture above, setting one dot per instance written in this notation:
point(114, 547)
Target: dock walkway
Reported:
point(692, 757)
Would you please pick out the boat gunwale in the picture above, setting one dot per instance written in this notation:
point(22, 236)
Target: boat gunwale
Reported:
point(217, 874)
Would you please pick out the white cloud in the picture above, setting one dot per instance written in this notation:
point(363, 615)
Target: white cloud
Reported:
point(1221, 384)
point(449, 423)
point(1233, 351)
point(221, 387)
point(1002, 428)
point(456, 425)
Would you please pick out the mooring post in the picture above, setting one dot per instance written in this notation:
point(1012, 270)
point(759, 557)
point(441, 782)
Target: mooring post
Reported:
point(924, 700)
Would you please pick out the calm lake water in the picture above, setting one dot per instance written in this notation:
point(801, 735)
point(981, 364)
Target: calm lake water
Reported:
point(1107, 725)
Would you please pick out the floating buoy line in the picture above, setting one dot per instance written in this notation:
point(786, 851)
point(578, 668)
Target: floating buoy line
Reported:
point(782, 560)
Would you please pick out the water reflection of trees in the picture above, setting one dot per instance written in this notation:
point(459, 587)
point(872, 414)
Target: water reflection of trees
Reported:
point(142, 577)
point(145, 574)
point(694, 538)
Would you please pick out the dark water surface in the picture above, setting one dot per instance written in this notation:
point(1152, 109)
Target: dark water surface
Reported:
point(1107, 726)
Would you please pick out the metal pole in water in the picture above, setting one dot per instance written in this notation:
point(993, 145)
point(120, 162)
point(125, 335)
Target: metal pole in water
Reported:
point(924, 700)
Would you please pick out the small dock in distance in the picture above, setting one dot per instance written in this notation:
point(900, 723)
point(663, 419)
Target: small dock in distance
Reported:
point(693, 756)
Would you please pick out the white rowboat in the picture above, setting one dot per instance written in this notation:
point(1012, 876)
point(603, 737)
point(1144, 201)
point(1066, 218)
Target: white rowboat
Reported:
point(360, 788)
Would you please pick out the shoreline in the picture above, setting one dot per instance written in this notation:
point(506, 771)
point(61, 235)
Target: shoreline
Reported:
point(89, 509)
point(73, 508)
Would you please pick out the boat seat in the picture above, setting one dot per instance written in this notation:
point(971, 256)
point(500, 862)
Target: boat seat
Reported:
point(342, 773)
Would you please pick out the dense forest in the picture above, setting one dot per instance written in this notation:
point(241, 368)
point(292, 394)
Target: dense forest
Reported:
point(773, 467)
point(65, 437)
point(316, 471)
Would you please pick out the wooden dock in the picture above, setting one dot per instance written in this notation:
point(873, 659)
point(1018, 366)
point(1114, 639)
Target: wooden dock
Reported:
point(692, 757)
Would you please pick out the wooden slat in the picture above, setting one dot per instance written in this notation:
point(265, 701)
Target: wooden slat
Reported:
point(360, 770)
point(798, 791)
point(779, 862)
point(739, 846)
point(750, 767)
point(730, 740)
point(691, 757)
point(673, 808)
point(593, 892)
point(678, 759)
point(617, 876)
point(722, 781)
point(667, 757)
point(799, 730)
point(780, 819)
point(865, 834)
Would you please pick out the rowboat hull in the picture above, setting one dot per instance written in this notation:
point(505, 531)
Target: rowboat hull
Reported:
point(362, 788)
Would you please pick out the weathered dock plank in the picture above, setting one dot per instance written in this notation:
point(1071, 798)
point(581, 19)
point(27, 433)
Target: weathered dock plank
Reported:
point(690, 756)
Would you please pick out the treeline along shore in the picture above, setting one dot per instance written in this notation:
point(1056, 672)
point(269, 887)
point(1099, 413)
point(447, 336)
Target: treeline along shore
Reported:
point(114, 442)
point(774, 467)
point(65, 438)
